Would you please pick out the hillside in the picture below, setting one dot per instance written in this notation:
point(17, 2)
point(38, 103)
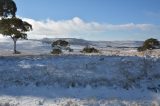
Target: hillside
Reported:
point(114, 77)
point(79, 80)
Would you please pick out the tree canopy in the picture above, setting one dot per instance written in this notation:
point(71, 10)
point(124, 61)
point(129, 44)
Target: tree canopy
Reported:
point(60, 43)
point(7, 8)
point(149, 44)
point(15, 28)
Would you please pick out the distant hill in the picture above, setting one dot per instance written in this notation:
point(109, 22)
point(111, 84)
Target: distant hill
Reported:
point(100, 44)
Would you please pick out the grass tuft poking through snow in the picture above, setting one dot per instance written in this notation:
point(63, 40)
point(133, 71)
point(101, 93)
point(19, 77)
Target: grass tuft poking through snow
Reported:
point(79, 80)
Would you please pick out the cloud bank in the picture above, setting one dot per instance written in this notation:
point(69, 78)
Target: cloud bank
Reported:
point(77, 27)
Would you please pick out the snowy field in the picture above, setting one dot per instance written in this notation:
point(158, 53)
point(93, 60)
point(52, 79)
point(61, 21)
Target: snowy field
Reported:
point(36, 78)
point(43, 46)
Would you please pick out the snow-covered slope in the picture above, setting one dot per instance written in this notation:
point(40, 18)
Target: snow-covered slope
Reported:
point(25, 46)
point(80, 71)
point(79, 79)
point(43, 46)
point(36, 77)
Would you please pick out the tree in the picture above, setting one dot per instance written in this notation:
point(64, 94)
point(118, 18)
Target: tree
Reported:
point(149, 44)
point(7, 8)
point(15, 28)
point(10, 25)
point(61, 45)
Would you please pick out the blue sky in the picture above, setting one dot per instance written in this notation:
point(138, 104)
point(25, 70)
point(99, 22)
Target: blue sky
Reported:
point(93, 19)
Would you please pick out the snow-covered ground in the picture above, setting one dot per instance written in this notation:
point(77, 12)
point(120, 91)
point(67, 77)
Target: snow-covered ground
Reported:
point(79, 79)
point(38, 96)
point(37, 78)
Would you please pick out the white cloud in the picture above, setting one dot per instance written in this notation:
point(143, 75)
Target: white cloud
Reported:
point(77, 27)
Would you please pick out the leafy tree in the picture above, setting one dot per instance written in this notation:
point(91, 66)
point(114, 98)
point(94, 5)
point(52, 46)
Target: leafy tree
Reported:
point(15, 28)
point(10, 25)
point(62, 45)
point(149, 44)
point(7, 8)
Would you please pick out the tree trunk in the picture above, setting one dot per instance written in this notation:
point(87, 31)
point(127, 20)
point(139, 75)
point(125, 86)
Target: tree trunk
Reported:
point(15, 41)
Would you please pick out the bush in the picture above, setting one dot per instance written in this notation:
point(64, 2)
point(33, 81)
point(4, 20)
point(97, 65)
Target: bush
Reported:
point(149, 44)
point(56, 51)
point(140, 49)
point(62, 43)
point(89, 50)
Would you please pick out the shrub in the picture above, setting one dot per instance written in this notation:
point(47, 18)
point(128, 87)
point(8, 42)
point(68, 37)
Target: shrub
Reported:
point(149, 44)
point(89, 50)
point(140, 49)
point(56, 51)
point(61, 45)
